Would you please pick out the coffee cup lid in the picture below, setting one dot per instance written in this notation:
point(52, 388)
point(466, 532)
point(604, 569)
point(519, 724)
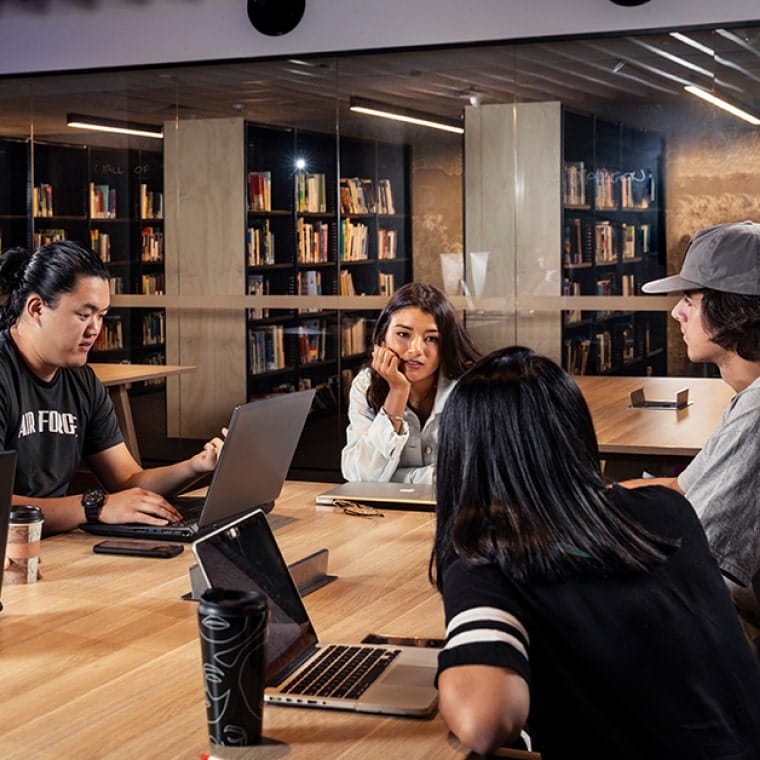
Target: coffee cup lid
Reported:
point(26, 514)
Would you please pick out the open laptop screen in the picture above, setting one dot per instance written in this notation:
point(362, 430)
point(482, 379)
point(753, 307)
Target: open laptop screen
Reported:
point(245, 556)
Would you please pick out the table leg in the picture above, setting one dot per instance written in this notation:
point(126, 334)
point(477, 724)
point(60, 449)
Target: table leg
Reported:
point(123, 409)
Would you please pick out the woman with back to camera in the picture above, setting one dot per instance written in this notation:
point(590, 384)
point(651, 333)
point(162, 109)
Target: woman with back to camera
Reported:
point(420, 348)
point(597, 611)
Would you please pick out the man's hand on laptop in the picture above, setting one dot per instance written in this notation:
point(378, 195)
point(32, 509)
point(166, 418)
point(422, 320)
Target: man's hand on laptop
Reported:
point(138, 505)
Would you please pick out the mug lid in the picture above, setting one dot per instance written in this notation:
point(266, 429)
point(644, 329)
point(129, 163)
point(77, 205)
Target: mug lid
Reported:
point(26, 514)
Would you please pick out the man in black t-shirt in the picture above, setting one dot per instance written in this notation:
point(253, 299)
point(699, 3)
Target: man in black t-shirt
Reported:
point(53, 409)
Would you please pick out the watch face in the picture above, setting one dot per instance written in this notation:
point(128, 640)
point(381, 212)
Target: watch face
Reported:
point(93, 498)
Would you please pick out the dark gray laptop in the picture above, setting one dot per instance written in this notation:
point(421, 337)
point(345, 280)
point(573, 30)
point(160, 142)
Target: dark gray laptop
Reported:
point(7, 476)
point(301, 672)
point(391, 495)
point(261, 439)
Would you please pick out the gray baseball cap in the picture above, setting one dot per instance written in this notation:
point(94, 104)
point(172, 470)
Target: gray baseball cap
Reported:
point(725, 257)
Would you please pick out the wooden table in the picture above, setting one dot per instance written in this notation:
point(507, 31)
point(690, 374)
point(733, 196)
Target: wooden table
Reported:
point(625, 431)
point(117, 377)
point(101, 657)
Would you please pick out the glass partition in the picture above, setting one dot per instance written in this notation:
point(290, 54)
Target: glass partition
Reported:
point(258, 239)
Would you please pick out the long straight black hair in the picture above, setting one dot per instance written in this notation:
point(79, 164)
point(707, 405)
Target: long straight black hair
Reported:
point(519, 481)
point(51, 270)
point(457, 351)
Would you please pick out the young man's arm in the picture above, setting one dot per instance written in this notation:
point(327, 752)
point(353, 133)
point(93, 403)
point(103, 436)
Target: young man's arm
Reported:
point(667, 482)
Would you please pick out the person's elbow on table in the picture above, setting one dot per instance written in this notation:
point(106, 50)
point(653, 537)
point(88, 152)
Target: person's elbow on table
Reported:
point(484, 706)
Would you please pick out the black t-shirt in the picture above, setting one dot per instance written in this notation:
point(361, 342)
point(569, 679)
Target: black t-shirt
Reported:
point(51, 425)
point(650, 666)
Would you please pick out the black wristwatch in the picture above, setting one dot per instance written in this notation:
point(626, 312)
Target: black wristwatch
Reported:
point(92, 501)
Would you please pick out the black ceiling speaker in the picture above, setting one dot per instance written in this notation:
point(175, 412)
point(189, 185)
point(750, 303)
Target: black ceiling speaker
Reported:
point(275, 16)
point(629, 2)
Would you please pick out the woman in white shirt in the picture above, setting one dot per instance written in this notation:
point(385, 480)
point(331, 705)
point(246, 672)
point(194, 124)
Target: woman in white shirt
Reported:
point(420, 349)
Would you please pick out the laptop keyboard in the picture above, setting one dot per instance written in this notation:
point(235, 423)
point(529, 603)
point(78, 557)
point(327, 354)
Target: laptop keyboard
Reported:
point(342, 671)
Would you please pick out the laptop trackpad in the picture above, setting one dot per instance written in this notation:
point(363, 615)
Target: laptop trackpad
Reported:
point(409, 675)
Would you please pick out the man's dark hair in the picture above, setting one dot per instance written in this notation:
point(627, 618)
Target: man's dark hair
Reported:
point(733, 322)
point(51, 270)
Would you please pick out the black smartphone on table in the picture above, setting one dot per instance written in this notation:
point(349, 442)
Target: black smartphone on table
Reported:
point(139, 548)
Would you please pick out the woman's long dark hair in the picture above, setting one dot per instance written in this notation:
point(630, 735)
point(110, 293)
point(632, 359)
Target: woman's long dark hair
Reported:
point(519, 482)
point(456, 349)
point(51, 270)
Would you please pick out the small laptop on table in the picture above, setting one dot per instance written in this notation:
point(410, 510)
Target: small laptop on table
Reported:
point(301, 672)
point(413, 496)
point(261, 439)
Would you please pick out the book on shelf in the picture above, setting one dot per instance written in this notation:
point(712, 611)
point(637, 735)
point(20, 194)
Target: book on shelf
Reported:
point(576, 355)
point(604, 243)
point(628, 284)
point(571, 288)
point(111, 336)
point(357, 196)
point(346, 283)
point(603, 342)
point(151, 203)
point(386, 243)
point(151, 244)
point(354, 241)
point(573, 249)
point(637, 189)
point(628, 343)
point(100, 242)
point(353, 334)
point(260, 191)
point(644, 238)
point(628, 235)
point(312, 341)
point(258, 285)
point(386, 285)
point(42, 199)
point(43, 237)
point(154, 328)
point(102, 201)
point(152, 284)
point(115, 285)
point(266, 348)
point(260, 242)
point(574, 183)
point(604, 189)
point(311, 193)
point(313, 241)
point(384, 199)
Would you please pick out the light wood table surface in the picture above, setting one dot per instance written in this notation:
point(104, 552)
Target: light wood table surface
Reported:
point(117, 377)
point(101, 658)
point(625, 431)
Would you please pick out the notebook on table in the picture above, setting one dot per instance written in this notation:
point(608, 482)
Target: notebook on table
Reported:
point(7, 476)
point(413, 496)
point(261, 439)
point(301, 671)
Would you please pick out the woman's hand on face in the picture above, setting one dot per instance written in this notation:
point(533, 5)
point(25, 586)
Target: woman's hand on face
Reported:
point(387, 363)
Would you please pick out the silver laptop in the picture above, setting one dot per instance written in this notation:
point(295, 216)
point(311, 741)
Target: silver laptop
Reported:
point(301, 671)
point(7, 476)
point(413, 496)
point(261, 439)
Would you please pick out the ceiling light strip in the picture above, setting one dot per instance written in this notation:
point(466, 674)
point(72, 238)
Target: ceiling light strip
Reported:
point(113, 126)
point(725, 105)
point(406, 116)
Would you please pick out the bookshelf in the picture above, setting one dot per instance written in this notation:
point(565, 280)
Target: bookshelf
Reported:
point(282, 231)
point(612, 242)
point(15, 190)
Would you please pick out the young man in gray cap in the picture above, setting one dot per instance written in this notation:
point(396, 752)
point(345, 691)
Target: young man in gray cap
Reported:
point(719, 315)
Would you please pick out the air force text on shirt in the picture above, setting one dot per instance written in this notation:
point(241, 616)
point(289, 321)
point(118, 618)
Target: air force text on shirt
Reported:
point(47, 421)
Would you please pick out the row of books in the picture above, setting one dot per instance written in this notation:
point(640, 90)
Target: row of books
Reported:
point(100, 242)
point(266, 349)
point(154, 328)
point(43, 237)
point(604, 242)
point(353, 336)
point(313, 241)
point(386, 283)
point(584, 355)
point(102, 201)
point(151, 203)
point(111, 335)
point(42, 199)
point(152, 284)
point(635, 189)
point(354, 241)
point(258, 285)
point(151, 244)
point(312, 341)
point(260, 191)
point(359, 196)
point(260, 245)
point(311, 193)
